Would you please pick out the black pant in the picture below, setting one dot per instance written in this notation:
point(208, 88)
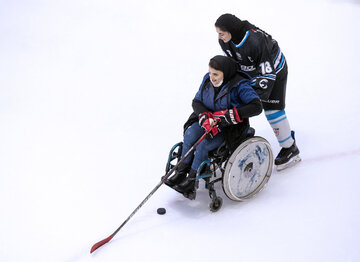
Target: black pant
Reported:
point(276, 99)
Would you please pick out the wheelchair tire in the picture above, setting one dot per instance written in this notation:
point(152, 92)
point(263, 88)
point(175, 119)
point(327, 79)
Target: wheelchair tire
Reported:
point(248, 169)
point(216, 204)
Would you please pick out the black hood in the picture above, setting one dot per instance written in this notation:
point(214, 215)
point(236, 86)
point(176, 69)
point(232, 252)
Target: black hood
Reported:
point(237, 28)
point(225, 65)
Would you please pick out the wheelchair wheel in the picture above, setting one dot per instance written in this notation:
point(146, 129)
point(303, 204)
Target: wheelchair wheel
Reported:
point(248, 169)
point(216, 204)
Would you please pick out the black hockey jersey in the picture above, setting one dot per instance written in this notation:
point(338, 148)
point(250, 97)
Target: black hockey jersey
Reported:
point(258, 55)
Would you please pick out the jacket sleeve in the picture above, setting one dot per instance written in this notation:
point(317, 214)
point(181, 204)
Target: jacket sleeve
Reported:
point(253, 108)
point(252, 104)
point(199, 107)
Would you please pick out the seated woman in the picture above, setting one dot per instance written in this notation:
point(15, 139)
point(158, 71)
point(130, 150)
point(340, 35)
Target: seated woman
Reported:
point(221, 107)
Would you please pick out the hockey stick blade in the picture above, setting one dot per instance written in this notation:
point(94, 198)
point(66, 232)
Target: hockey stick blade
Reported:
point(101, 243)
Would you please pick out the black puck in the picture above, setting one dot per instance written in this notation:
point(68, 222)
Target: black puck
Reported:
point(161, 211)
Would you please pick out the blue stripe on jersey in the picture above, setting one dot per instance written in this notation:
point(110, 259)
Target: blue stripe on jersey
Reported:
point(268, 76)
point(281, 63)
point(244, 39)
point(276, 56)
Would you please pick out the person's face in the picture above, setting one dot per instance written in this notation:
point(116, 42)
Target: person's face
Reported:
point(216, 76)
point(223, 35)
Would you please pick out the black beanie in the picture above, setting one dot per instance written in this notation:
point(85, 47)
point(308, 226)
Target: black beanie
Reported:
point(225, 65)
point(237, 28)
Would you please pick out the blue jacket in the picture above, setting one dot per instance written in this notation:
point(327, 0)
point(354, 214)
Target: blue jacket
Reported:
point(235, 93)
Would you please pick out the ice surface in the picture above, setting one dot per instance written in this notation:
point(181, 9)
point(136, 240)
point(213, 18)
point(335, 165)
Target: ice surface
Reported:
point(93, 94)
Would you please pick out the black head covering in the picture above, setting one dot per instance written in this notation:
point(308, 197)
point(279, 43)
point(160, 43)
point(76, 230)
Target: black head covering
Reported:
point(237, 28)
point(225, 65)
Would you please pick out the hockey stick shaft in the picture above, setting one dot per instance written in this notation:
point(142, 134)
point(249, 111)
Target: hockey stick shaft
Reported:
point(163, 179)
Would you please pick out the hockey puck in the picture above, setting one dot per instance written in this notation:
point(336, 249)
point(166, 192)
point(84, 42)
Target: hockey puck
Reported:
point(161, 211)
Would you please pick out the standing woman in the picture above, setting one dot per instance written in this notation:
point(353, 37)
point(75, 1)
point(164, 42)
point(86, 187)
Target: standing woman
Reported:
point(226, 97)
point(259, 55)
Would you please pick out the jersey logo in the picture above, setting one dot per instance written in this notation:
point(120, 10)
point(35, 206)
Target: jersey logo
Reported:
point(263, 83)
point(271, 101)
point(247, 68)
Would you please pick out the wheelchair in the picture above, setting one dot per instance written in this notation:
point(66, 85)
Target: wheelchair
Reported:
point(243, 173)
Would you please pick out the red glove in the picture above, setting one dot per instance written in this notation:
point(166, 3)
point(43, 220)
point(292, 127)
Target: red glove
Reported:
point(207, 122)
point(227, 117)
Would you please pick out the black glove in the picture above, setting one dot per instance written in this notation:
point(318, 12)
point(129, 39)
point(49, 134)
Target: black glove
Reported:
point(227, 117)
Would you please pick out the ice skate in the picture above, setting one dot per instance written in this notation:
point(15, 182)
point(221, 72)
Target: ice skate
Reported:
point(287, 157)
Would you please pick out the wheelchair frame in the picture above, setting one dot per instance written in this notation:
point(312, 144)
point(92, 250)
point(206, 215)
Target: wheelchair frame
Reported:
point(223, 166)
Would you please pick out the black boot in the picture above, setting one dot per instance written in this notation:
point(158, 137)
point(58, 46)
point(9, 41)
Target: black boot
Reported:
point(288, 156)
point(179, 176)
point(188, 185)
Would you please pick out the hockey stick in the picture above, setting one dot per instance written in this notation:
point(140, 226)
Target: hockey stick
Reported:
point(191, 150)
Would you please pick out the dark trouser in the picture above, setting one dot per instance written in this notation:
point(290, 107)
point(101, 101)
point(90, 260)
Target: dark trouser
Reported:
point(192, 134)
point(276, 99)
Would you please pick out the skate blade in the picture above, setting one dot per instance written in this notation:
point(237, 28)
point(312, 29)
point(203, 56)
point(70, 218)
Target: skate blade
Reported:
point(293, 161)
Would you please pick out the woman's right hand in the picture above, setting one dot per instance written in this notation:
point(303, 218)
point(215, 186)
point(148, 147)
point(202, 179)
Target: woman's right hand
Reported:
point(208, 123)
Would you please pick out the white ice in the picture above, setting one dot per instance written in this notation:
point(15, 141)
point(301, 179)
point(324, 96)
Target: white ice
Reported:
point(93, 94)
